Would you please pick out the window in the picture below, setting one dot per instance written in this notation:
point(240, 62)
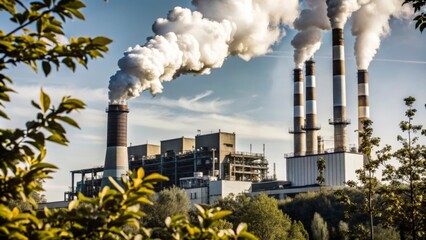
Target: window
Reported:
point(228, 145)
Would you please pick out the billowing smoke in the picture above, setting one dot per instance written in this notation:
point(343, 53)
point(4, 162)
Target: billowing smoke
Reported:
point(196, 41)
point(311, 21)
point(340, 10)
point(371, 23)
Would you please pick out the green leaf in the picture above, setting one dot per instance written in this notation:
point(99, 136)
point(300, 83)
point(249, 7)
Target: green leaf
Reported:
point(44, 101)
point(68, 120)
point(76, 13)
point(221, 214)
point(46, 68)
point(140, 173)
point(116, 185)
point(73, 204)
point(57, 139)
point(155, 177)
point(101, 40)
point(35, 104)
point(248, 236)
point(4, 97)
point(3, 115)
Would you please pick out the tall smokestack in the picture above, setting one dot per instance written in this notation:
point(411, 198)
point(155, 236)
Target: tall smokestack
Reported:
point(320, 144)
point(339, 92)
point(363, 105)
point(311, 127)
point(116, 159)
point(299, 134)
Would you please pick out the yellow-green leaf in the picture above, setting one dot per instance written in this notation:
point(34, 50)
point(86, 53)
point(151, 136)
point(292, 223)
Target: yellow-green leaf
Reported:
point(73, 204)
point(69, 120)
point(44, 101)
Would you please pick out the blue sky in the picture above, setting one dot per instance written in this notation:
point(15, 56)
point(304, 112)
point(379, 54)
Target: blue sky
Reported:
point(252, 99)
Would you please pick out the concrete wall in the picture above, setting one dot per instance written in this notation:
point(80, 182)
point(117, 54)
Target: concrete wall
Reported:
point(340, 167)
point(221, 189)
point(208, 140)
point(143, 150)
point(223, 142)
point(197, 195)
point(178, 145)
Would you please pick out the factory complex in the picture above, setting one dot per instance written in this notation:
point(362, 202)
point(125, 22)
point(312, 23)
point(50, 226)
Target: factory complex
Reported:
point(209, 166)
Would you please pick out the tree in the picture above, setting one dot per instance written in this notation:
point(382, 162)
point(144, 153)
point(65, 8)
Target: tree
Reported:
point(235, 203)
point(406, 194)
point(304, 205)
point(297, 231)
point(25, 206)
point(419, 10)
point(265, 220)
point(262, 215)
point(22, 151)
point(321, 168)
point(168, 202)
point(319, 228)
point(367, 183)
point(343, 230)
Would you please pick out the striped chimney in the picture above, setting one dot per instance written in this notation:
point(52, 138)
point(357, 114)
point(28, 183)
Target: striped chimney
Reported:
point(363, 104)
point(116, 159)
point(311, 126)
point(339, 92)
point(298, 111)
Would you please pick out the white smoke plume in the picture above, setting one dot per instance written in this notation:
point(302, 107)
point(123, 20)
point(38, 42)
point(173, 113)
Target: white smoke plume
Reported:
point(370, 24)
point(194, 42)
point(311, 21)
point(340, 10)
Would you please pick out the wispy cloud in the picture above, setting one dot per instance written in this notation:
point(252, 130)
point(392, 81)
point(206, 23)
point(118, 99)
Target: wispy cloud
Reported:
point(286, 54)
point(189, 122)
point(20, 109)
point(198, 103)
point(27, 92)
point(92, 139)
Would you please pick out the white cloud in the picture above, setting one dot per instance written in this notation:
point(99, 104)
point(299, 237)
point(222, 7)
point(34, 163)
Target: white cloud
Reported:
point(89, 95)
point(197, 103)
point(189, 122)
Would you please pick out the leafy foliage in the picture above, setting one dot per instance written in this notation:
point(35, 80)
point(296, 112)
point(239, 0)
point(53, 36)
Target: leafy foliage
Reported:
point(115, 213)
point(321, 168)
point(405, 197)
point(319, 228)
point(179, 227)
point(304, 205)
point(298, 231)
point(168, 202)
point(34, 39)
point(263, 217)
point(368, 184)
point(419, 10)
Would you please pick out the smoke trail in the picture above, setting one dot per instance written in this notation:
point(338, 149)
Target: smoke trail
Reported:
point(371, 23)
point(340, 10)
point(196, 41)
point(311, 21)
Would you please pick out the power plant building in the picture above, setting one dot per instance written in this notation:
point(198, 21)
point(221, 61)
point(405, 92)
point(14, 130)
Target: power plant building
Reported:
point(208, 158)
point(209, 167)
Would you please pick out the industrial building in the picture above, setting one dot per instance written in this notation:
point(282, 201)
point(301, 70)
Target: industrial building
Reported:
point(209, 167)
point(212, 157)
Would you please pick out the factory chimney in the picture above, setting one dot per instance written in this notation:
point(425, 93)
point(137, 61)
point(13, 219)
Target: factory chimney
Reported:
point(363, 105)
point(320, 144)
point(311, 126)
point(116, 159)
point(339, 92)
point(298, 111)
